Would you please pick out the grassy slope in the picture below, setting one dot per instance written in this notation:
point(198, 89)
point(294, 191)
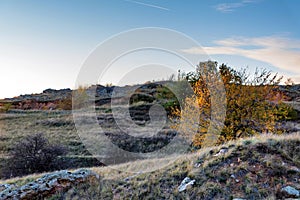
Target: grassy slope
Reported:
point(58, 127)
point(261, 166)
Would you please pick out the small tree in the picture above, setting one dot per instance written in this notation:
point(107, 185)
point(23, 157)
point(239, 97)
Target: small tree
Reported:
point(251, 108)
point(34, 154)
point(80, 97)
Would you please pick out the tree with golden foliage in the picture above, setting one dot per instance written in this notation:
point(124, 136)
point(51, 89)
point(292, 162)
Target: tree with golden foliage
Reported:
point(80, 97)
point(252, 104)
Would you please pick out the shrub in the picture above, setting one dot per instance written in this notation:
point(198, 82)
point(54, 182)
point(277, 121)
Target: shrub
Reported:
point(65, 104)
point(6, 107)
point(252, 104)
point(80, 97)
point(34, 154)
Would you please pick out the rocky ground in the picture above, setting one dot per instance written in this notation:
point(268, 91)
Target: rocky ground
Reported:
point(46, 185)
point(264, 167)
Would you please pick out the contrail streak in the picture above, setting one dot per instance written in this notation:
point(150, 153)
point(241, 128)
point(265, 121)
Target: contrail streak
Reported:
point(149, 5)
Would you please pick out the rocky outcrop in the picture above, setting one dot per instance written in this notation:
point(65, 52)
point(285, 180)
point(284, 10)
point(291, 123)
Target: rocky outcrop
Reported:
point(47, 100)
point(50, 99)
point(290, 192)
point(46, 96)
point(48, 184)
point(185, 183)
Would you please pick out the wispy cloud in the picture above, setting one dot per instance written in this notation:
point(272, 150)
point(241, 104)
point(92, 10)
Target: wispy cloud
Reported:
point(280, 52)
point(148, 5)
point(230, 7)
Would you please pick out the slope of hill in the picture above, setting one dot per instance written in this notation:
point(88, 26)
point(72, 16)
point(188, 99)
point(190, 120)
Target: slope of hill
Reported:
point(263, 167)
point(58, 125)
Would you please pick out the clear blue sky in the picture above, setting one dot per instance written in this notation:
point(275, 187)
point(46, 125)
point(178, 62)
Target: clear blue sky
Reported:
point(44, 43)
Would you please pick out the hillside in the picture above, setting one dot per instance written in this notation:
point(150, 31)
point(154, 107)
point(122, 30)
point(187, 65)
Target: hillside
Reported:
point(253, 168)
point(39, 113)
point(50, 99)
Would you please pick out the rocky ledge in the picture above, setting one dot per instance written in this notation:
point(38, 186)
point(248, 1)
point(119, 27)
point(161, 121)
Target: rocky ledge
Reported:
point(47, 185)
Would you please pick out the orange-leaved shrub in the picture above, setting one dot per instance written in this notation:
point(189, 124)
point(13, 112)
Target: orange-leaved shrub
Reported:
point(252, 104)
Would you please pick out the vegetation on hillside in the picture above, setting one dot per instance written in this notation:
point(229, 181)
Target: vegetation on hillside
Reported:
point(254, 110)
point(252, 168)
point(33, 154)
point(245, 172)
point(253, 104)
point(57, 126)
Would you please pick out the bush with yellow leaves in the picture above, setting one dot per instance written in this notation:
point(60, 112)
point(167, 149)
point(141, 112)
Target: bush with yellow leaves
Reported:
point(252, 106)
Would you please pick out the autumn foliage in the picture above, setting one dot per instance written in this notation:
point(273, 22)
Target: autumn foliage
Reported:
point(253, 105)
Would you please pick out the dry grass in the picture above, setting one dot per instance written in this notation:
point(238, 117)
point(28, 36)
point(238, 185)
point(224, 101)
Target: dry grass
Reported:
point(57, 126)
point(262, 165)
point(213, 178)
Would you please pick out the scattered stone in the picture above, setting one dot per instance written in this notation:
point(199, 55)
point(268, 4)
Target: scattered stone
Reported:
point(290, 192)
point(223, 150)
point(234, 177)
point(48, 184)
point(185, 183)
point(197, 165)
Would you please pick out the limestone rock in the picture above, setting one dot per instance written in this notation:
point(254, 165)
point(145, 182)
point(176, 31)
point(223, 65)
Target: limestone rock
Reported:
point(48, 184)
point(185, 183)
point(222, 151)
point(291, 192)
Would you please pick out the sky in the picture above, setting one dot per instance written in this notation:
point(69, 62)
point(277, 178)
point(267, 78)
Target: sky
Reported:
point(43, 44)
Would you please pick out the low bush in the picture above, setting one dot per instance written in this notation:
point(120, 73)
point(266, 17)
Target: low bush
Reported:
point(33, 154)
